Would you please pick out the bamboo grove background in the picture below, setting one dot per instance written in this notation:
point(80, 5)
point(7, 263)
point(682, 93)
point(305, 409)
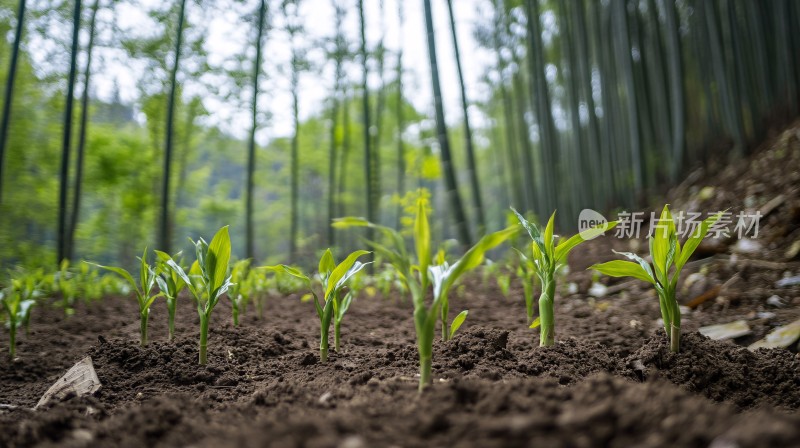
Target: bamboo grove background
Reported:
point(590, 104)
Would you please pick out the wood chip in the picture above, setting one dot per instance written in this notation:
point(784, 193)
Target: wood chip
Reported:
point(81, 380)
point(780, 337)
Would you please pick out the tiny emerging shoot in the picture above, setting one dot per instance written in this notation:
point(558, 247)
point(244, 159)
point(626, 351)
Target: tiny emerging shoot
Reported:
point(65, 282)
point(170, 284)
point(239, 292)
point(147, 279)
point(334, 278)
point(547, 257)
point(665, 250)
point(208, 279)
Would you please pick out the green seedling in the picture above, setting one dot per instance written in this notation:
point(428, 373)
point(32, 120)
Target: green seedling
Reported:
point(258, 286)
point(239, 292)
point(147, 279)
point(170, 284)
point(208, 279)
point(527, 272)
point(666, 251)
point(17, 301)
point(419, 275)
point(334, 278)
point(66, 285)
point(547, 257)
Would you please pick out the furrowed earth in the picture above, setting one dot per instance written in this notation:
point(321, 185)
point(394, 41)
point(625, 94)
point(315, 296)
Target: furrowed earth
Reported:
point(610, 380)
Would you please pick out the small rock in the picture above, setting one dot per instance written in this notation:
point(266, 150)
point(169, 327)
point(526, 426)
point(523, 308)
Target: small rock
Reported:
point(775, 301)
point(325, 398)
point(353, 442)
point(788, 281)
point(572, 288)
point(598, 290)
point(747, 246)
point(82, 436)
point(765, 315)
point(793, 250)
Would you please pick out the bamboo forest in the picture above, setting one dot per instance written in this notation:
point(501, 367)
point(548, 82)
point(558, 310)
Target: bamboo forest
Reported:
point(495, 193)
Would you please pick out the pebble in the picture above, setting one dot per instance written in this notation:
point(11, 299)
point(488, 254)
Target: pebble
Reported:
point(775, 301)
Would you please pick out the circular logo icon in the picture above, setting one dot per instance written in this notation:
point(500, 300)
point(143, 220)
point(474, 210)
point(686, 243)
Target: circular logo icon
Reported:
point(591, 224)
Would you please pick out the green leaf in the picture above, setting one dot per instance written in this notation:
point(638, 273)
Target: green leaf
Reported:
point(344, 306)
point(457, 322)
point(621, 268)
point(422, 237)
point(121, 272)
point(536, 322)
point(350, 221)
point(326, 264)
point(533, 229)
point(289, 270)
point(474, 256)
point(641, 261)
point(340, 271)
point(695, 239)
point(144, 271)
point(217, 258)
point(660, 243)
point(548, 236)
point(357, 266)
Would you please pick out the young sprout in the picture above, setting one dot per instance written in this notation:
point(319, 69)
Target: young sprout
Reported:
point(170, 284)
point(65, 282)
point(547, 257)
point(147, 279)
point(208, 279)
point(418, 275)
point(239, 291)
point(527, 272)
point(257, 287)
point(665, 250)
point(334, 278)
point(17, 301)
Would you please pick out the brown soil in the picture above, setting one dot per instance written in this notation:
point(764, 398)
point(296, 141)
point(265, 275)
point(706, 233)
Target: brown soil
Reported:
point(609, 381)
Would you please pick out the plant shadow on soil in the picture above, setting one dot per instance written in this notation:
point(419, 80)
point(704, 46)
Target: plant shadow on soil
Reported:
point(610, 380)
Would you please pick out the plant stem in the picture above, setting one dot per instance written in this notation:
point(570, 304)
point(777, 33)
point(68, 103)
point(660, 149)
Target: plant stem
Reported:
point(547, 333)
point(235, 314)
point(260, 307)
point(675, 333)
point(323, 343)
point(424, 371)
point(337, 331)
point(145, 315)
point(675, 339)
point(12, 343)
point(171, 302)
point(203, 338)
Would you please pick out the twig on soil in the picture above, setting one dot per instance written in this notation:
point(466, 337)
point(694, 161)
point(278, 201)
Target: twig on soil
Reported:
point(711, 293)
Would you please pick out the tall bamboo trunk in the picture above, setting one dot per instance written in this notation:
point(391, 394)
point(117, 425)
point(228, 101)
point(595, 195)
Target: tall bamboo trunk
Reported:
point(251, 143)
point(477, 202)
point(84, 125)
point(368, 162)
point(457, 209)
point(165, 222)
point(66, 142)
point(5, 120)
